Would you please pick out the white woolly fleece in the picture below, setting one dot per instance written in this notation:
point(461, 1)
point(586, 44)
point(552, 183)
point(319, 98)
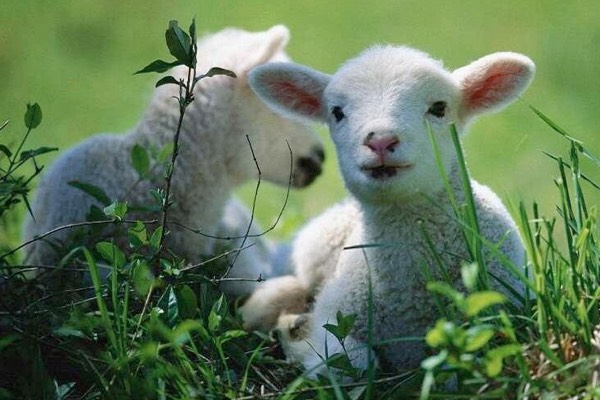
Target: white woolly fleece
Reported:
point(214, 158)
point(381, 108)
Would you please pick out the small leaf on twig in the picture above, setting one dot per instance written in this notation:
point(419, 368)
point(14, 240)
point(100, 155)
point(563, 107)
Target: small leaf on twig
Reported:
point(179, 43)
point(111, 253)
point(159, 66)
point(168, 80)
point(33, 116)
point(140, 160)
point(5, 150)
point(193, 29)
point(215, 71)
point(220, 71)
point(92, 190)
point(36, 152)
point(116, 209)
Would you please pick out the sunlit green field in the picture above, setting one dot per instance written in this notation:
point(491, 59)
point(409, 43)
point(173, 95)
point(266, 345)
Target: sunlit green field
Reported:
point(76, 59)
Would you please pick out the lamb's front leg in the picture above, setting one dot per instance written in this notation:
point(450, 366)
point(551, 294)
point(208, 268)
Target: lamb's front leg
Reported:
point(307, 342)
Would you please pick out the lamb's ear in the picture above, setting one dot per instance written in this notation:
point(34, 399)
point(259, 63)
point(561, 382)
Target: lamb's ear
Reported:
point(291, 89)
point(266, 46)
point(493, 82)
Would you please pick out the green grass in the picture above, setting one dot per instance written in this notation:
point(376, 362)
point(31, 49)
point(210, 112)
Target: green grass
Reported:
point(176, 337)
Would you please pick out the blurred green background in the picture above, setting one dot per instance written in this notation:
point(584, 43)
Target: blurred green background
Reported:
point(76, 59)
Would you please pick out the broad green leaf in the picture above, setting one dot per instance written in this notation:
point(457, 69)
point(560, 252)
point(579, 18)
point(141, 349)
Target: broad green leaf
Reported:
point(138, 235)
point(220, 71)
point(159, 66)
point(116, 209)
point(434, 361)
point(477, 337)
point(343, 327)
point(469, 273)
point(479, 301)
point(33, 116)
point(214, 320)
point(179, 43)
point(36, 152)
point(494, 358)
point(446, 290)
point(169, 304)
point(111, 253)
point(217, 312)
point(181, 333)
point(92, 190)
point(340, 361)
point(155, 238)
point(187, 301)
point(233, 334)
point(168, 80)
point(442, 333)
point(143, 279)
point(140, 160)
point(166, 152)
point(5, 150)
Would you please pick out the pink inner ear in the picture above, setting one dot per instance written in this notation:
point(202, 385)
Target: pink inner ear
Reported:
point(494, 87)
point(297, 99)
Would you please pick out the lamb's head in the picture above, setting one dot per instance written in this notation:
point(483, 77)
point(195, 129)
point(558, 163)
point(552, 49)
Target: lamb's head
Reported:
point(382, 106)
point(269, 132)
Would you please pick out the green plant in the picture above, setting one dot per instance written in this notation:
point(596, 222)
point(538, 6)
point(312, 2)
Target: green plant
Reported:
point(15, 179)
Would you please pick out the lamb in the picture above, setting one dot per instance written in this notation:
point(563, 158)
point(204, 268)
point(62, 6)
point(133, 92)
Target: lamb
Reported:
point(214, 158)
point(381, 108)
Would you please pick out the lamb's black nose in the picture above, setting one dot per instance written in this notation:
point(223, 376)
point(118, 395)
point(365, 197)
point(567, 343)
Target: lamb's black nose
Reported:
point(308, 168)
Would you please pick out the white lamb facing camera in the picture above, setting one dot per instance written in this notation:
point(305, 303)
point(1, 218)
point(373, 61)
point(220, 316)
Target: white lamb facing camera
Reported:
point(379, 108)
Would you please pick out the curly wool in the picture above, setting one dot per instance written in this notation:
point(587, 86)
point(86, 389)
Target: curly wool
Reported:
point(382, 108)
point(214, 158)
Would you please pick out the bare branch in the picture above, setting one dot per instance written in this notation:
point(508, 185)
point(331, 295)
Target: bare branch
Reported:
point(264, 232)
point(71, 226)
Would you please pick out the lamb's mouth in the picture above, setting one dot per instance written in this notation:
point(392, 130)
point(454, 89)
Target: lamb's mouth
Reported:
point(385, 171)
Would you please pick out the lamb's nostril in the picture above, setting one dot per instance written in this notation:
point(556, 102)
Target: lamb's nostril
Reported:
point(382, 145)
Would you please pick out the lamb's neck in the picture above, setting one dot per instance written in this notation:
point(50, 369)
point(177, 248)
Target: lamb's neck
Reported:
point(202, 132)
point(381, 220)
point(199, 176)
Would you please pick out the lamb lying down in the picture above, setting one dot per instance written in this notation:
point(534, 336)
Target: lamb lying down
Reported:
point(379, 108)
point(214, 158)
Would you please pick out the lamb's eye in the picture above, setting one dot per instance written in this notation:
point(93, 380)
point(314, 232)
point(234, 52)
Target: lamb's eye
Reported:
point(338, 114)
point(438, 109)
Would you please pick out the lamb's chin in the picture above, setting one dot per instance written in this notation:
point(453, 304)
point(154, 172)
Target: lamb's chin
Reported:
point(384, 173)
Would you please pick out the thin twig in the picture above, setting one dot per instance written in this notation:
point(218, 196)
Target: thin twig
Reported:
point(254, 235)
point(71, 226)
point(215, 258)
point(183, 103)
point(245, 238)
